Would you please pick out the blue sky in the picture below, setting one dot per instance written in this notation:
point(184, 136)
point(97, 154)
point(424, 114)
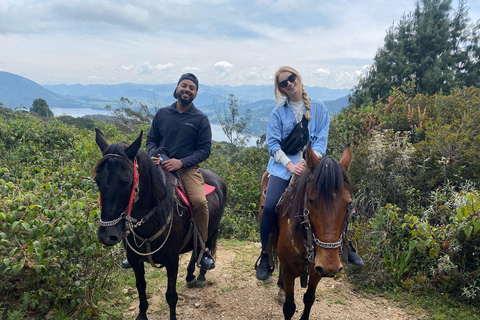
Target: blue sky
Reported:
point(237, 42)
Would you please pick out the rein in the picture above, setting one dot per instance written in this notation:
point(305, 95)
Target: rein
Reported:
point(131, 229)
point(132, 223)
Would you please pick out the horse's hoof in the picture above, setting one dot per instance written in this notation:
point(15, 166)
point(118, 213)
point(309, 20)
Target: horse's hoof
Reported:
point(200, 283)
point(281, 297)
point(191, 283)
point(142, 317)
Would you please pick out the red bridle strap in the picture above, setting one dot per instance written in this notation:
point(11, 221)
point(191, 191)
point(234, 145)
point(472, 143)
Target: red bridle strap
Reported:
point(136, 177)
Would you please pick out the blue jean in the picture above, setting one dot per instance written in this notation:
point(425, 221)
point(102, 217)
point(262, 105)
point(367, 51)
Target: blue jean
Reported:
point(276, 187)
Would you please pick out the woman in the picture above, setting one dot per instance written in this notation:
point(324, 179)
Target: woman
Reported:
point(293, 105)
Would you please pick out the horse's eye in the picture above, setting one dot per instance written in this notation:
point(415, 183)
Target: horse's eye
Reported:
point(311, 201)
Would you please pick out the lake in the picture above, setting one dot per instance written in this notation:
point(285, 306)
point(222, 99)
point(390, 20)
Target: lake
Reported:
point(217, 133)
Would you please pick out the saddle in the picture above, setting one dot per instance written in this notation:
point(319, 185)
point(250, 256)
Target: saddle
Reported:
point(183, 195)
point(164, 155)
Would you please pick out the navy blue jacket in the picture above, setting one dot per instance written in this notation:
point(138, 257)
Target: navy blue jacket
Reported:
point(188, 135)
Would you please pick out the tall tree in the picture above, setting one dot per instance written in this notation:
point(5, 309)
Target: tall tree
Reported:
point(40, 107)
point(232, 123)
point(130, 114)
point(434, 46)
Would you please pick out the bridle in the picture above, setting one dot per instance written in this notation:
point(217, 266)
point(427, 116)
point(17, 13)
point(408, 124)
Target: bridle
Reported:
point(132, 223)
point(312, 240)
point(126, 213)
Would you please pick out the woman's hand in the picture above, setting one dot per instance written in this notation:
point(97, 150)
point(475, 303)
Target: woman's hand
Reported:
point(296, 168)
point(156, 160)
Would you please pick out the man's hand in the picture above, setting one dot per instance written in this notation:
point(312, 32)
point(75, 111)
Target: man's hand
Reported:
point(171, 165)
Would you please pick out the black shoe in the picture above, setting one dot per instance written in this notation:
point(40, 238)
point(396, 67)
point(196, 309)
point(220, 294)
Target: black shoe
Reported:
point(207, 262)
point(263, 268)
point(126, 264)
point(354, 258)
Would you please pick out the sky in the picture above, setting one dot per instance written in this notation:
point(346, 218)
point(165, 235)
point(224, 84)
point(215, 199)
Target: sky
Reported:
point(224, 42)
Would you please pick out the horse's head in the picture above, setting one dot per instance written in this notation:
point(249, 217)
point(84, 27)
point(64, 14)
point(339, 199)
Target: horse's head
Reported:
point(328, 196)
point(114, 174)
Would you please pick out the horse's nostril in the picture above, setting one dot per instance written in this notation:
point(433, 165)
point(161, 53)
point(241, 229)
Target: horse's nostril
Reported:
point(325, 273)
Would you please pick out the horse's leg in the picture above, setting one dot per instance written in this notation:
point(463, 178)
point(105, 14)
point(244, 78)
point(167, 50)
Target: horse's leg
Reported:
point(139, 270)
point(281, 288)
point(201, 281)
point(171, 294)
point(190, 279)
point(289, 284)
point(309, 296)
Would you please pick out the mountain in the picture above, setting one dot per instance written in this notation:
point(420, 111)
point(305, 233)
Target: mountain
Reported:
point(336, 106)
point(16, 90)
point(260, 110)
point(207, 95)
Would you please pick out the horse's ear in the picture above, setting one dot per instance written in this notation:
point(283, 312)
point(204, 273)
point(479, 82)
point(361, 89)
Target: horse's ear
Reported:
point(347, 157)
point(310, 157)
point(100, 140)
point(132, 149)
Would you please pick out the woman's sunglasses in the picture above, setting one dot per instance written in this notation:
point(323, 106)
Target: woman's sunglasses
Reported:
point(284, 83)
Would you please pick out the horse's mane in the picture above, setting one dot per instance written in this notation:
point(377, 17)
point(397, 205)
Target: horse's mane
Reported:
point(328, 179)
point(159, 181)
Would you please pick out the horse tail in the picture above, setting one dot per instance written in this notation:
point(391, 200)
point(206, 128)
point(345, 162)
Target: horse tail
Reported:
point(217, 213)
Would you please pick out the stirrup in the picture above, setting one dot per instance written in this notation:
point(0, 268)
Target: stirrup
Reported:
point(263, 273)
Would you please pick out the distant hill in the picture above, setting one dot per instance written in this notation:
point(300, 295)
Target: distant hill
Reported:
point(207, 95)
point(336, 106)
point(260, 112)
point(209, 99)
point(16, 90)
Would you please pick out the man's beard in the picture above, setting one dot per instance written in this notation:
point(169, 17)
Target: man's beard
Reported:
point(185, 101)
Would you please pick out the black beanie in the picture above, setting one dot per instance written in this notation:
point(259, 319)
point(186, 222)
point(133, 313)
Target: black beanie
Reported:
point(187, 76)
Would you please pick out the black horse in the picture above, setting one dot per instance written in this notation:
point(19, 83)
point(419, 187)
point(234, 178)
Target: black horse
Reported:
point(139, 206)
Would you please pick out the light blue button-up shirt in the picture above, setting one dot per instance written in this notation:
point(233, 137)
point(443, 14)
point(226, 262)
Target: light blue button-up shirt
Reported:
point(281, 123)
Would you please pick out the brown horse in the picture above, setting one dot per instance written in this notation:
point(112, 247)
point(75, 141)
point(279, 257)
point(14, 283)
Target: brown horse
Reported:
point(312, 217)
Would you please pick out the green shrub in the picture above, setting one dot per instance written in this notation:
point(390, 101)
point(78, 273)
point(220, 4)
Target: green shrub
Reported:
point(51, 257)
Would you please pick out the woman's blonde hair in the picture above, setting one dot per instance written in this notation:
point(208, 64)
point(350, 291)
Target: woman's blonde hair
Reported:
point(280, 96)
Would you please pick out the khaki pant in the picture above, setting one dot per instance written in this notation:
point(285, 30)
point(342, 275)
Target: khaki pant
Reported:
point(193, 182)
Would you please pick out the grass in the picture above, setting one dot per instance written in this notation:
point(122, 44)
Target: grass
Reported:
point(115, 302)
point(433, 305)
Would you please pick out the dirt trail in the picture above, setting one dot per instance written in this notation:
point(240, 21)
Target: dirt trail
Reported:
point(232, 292)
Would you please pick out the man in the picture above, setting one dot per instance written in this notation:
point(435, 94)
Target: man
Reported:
point(185, 131)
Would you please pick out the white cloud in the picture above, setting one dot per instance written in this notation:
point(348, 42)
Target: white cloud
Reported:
point(221, 41)
point(145, 68)
point(223, 65)
point(92, 79)
point(322, 71)
point(164, 66)
point(126, 68)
